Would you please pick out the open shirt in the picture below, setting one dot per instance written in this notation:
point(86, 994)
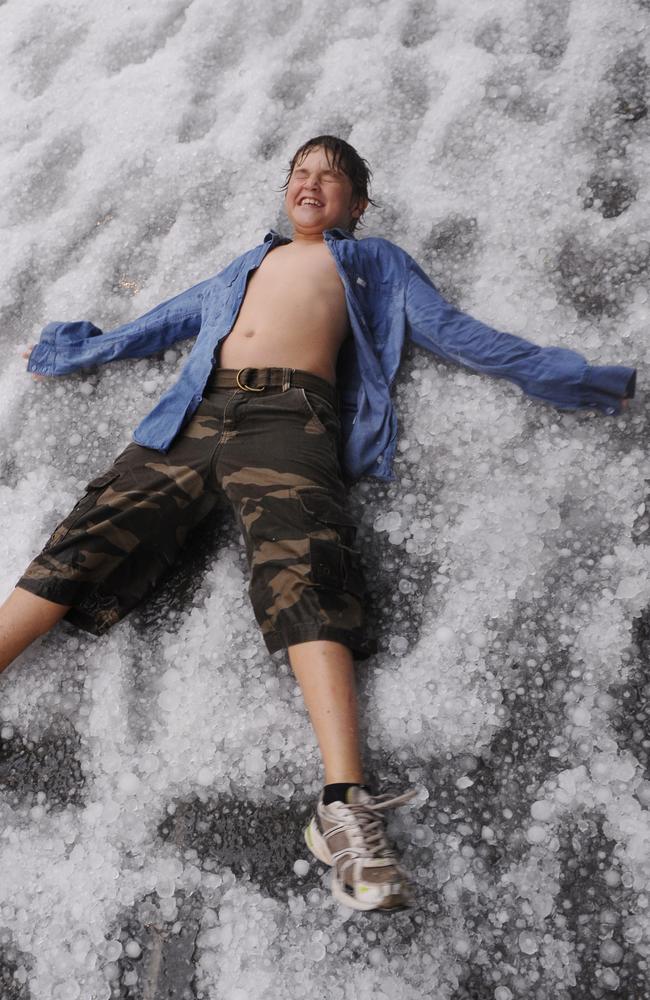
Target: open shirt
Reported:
point(388, 297)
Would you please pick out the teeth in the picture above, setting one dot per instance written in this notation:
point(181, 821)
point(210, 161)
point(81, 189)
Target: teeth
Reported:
point(311, 201)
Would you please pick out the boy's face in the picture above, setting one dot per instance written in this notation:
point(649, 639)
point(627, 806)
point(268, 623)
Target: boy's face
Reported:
point(319, 197)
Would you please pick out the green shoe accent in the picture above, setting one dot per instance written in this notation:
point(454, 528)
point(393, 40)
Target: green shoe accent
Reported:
point(308, 838)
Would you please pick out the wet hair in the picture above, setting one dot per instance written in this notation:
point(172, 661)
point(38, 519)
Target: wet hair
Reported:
point(343, 157)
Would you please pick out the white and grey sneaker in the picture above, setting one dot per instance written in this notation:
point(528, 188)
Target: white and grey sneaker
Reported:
point(350, 837)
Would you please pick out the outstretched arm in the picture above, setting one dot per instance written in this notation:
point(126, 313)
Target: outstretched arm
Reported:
point(67, 347)
point(553, 374)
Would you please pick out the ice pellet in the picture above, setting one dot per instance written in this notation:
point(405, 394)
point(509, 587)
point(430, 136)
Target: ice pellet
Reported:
point(610, 952)
point(444, 634)
point(536, 834)
point(528, 943)
point(129, 783)
point(542, 810)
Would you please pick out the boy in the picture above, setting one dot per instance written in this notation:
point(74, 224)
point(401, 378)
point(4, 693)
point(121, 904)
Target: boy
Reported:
point(255, 414)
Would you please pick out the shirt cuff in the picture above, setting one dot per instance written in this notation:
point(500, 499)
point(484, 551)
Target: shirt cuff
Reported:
point(606, 386)
point(41, 360)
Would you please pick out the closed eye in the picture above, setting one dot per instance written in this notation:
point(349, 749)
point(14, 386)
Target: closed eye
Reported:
point(327, 175)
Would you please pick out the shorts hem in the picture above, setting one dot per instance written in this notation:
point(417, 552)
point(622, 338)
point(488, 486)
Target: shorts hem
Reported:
point(49, 590)
point(88, 621)
point(361, 647)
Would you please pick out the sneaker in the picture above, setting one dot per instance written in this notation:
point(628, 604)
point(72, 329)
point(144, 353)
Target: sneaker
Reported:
point(350, 837)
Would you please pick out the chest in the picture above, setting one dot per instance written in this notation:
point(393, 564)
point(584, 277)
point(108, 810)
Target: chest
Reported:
point(287, 268)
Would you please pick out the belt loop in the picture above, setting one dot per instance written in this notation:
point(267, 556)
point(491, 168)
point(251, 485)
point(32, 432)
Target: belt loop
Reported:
point(287, 374)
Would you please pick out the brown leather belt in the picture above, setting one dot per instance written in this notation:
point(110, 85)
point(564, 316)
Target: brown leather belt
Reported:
point(256, 380)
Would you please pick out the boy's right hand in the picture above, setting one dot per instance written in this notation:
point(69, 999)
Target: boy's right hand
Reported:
point(27, 354)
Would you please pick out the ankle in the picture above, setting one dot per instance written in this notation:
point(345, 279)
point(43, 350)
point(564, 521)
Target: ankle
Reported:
point(336, 792)
point(350, 775)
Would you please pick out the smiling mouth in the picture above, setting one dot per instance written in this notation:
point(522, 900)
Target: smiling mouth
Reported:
point(310, 201)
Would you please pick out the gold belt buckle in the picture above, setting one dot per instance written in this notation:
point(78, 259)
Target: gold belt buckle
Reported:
point(248, 388)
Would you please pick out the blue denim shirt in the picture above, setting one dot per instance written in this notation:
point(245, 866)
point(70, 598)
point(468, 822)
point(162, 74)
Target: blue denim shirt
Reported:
point(388, 296)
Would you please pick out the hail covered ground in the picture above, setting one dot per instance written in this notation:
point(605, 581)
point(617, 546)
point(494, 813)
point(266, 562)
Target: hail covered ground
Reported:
point(154, 782)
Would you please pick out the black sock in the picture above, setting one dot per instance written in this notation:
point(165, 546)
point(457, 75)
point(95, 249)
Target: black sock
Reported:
point(336, 792)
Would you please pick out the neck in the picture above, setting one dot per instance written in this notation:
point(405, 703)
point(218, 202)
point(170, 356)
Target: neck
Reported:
point(299, 237)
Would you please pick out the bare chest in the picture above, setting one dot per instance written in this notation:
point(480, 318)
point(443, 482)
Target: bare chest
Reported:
point(293, 314)
point(292, 273)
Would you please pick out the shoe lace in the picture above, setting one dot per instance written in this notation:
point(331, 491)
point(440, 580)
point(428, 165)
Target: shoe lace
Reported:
point(369, 839)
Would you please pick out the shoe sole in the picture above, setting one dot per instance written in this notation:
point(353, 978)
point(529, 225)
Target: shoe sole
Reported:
point(318, 847)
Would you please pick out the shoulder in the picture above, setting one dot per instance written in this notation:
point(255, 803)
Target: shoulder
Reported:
point(378, 245)
point(231, 270)
point(389, 258)
point(398, 256)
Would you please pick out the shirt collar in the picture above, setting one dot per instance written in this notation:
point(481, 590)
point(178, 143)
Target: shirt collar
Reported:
point(273, 236)
point(337, 234)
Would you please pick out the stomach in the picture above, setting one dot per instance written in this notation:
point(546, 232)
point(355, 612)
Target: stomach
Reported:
point(309, 351)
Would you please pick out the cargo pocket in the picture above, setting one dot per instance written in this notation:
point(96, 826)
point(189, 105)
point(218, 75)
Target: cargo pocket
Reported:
point(93, 490)
point(336, 567)
point(104, 480)
point(85, 503)
point(324, 508)
point(335, 563)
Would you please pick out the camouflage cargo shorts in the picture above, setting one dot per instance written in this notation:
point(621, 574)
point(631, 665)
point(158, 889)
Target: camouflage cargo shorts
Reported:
point(274, 453)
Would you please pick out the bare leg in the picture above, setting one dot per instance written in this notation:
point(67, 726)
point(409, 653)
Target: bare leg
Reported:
point(325, 672)
point(23, 618)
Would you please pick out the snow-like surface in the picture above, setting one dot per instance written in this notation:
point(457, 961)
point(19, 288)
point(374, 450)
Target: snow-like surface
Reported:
point(155, 781)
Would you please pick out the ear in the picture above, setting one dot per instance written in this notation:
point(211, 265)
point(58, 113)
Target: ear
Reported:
point(359, 208)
